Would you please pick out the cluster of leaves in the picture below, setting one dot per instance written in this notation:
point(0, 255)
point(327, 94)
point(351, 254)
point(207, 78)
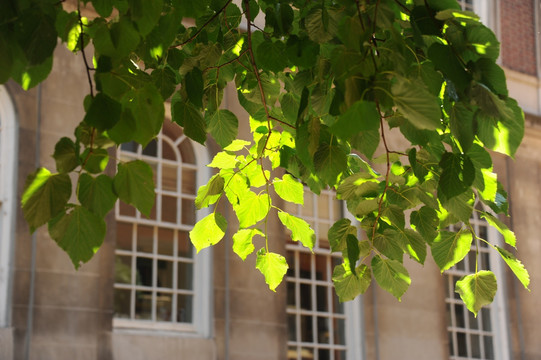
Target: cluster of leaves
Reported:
point(324, 83)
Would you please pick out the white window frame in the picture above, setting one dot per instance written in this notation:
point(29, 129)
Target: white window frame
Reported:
point(352, 309)
point(498, 313)
point(8, 191)
point(201, 325)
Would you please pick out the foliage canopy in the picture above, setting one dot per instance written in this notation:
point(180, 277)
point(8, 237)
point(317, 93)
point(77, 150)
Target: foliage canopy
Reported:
point(324, 83)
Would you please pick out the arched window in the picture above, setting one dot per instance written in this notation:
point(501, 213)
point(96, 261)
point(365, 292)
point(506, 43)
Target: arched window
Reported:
point(160, 282)
point(8, 191)
point(319, 326)
point(483, 337)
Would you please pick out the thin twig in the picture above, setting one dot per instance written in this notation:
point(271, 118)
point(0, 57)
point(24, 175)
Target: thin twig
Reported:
point(82, 36)
point(205, 24)
point(227, 62)
point(387, 152)
point(403, 6)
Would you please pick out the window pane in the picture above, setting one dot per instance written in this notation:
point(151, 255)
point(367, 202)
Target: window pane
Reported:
point(184, 308)
point(123, 269)
point(122, 303)
point(144, 271)
point(143, 305)
point(185, 276)
point(165, 242)
point(169, 209)
point(163, 306)
point(165, 274)
point(124, 236)
point(145, 239)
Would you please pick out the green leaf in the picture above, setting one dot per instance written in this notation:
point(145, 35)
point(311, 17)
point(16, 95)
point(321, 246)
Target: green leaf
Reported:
point(146, 105)
point(503, 134)
point(426, 222)
point(224, 126)
point(361, 116)
point(145, 14)
point(208, 231)
point(96, 194)
point(223, 160)
point(6, 60)
point(134, 184)
point(44, 197)
point(289, 189)
point(366, 142)
point(251, 208)
point(417, 104)
point(391, 275)
point(507, 234)
point(449, 248)
point(189, 117)
point(353, 251)
point(390, 244)
point(65, 155)
point(36, 34)
point(415, 245)
point(330, 161)
point(242, 242)
point(461, 124)
point(272, 266)
point(271, 55)
point(195, 86)
point(300, 229)
point(210, 193)
point(80, 233)
point(165, 81)
point(103, 7)
point(457, 175)
point(477, 290)
point(348, 284)
point(118, 41)
point(516, 266)
point(96, 161)
point(339, 232)
point(103, 113)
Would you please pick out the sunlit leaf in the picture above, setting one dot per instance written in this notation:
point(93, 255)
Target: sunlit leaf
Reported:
point(273, 266)
point(477, 290)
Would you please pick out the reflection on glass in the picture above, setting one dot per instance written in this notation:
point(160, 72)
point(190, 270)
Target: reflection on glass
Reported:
point(122, 303)
point(143, 305)
point(163, 306)
point(184, 308)
point(185, 276)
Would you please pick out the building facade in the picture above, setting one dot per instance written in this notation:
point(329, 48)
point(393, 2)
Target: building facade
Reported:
point(147, 294)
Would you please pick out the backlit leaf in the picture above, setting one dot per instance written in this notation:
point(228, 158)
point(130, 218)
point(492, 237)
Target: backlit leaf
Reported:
point(391, 275)
point(516, 266)
point(208, 231)
point(477, 290)
point(289, 189)
point(300, 229)
point(273, 266)
point(134, 185)
point(242, 242)
point(450, 247)
point(348, 284)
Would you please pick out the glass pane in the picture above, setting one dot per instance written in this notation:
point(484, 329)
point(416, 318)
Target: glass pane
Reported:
point(292, 353)
point(124, 236)
point(185, 276)
point(338, 306)
point(129, 146)
point(321, 298)
point(321, 267)
point(323, 335)
point(151, 149)
point(306, 296)
point(449, 316)
point(471, 262)
point(163, 307)
point(485, 261)
point(123, 269)
point(145, 236)
point(184, 308)
point(459, 316)
point(489, 350)
point(125, 209)
point(461, 343)
point(169, 177)
point(324, 354)
point(165, 274)
point(339, 331)
point(323, 241)
point(291, 294)
point(144, 271)
point(143, 305)
point(188, 181)
point(485, 315)
point(339, 355)
point(185, 248)
point(188, 212)
point(475, 346)
point(167, 151)
point(306, 329)
point(472, 321)
point(307, 354)
point(186, 152)
point(460, 266)
point(165, 242)
point(308, 207)
point(169, 209)
point(451, 342)
point(323, 206)
point(304, 265)
point(122, 303)
point(292, 327)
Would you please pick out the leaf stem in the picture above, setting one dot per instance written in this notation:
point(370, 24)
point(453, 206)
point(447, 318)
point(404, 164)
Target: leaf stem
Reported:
point(82, 37)
point(211, 19)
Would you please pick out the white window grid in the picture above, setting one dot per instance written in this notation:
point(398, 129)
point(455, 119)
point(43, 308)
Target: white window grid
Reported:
point(484, 337)
point(8, 181)
point(466, 4)
point(161, 239)
point(312, 301)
